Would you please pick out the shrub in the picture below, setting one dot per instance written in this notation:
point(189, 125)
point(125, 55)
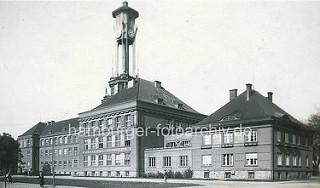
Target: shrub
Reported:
point(170, 174)
point(151, 175)
point(188, 173)
point(160, 175)
point(178, 174)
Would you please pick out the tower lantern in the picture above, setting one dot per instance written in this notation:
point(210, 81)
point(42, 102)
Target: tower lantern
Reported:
point(125, 35)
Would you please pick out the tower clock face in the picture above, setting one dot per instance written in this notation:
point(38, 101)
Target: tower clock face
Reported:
point(118, 33)
point(131, 33)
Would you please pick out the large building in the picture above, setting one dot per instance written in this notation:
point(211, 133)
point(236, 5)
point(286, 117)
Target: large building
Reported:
point(141, 128)
point(248, 138)
point(106, 141)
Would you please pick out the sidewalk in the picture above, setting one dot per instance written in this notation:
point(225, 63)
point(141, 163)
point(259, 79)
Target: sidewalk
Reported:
point(29, 185)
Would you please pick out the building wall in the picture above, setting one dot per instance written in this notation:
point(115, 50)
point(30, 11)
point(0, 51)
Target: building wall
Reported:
point(29, 151)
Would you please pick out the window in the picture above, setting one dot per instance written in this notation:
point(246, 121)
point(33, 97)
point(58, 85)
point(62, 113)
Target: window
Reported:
point(56, 140)
point(93, 160)
point(185, 143)
point(294, 160)
point(56, 152)
point(160, 101)
point(46, 153)
point(306, 144)
point(152, 161)
point(75, 163)
point(70, 163)
point(65, 139)
point(93, 143)
point(250, 175)
point(50, 153)
point(307, 161)
point(118, 159)
point(228, 138)
point(227, 175)
point(109, 173)
point(298, 141)
point(206, 139)
point(299, 161)
point(127, 159)
point(42, 153)
point(171, 144)
point(127, 173)
point(251, 136)
point(109, 159)
point(75, 151)
point(76, 139)
point(86, 144)
point(206, 160)
point(287, 160)
point(293, 139)
point(60, 140)
point(227, 159)
point(117, 173)
point(166, 161)
point(109, 121)
point(252, 159)
point(85, 160)
point(60, 164)
point(109, 141)
point(206, 174)
point(278, 136)
point(60, 152)
point(47, 142)
point(286, 137)
point(100, 142)
point(28, 143)
point(70, 151)
point(128, 120)
point(64, 151)
point(118, 123)
point(28, 153)
point(100, 160)
point(127, 137)
point(118, 140)
point(184, 160)
point(279, 159)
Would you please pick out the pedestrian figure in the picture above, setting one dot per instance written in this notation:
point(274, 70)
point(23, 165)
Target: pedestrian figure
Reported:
point(9, 177)
point(165, 176)
point(41, 179)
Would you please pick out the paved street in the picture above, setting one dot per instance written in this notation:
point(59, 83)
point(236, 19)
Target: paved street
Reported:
point(136, 182)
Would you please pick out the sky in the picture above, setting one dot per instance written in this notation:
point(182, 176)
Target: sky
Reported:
point(56, 57)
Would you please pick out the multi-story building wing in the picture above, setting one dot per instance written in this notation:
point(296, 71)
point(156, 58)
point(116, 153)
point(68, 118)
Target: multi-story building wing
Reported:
point(248, 138)
point(60, 146)
point(29, 145)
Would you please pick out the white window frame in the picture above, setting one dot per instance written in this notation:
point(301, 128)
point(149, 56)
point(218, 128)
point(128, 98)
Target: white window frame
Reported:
point(251, 159)
point(227, 159)
point(184, 160)
point(167, 161)
point(207, 139)
point(206, 160)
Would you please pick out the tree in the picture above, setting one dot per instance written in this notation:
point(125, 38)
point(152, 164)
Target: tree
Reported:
point(314, 122)
point(9, 151)
point(46, 169)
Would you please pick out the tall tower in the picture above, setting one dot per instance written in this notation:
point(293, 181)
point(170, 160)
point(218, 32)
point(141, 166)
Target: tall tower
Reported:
point(125, 35)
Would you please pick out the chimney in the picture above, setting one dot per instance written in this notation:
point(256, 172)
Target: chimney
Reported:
point(48, 123)
point(270, 96)
point(157, 84)
point(249, 90)
point(125, 3)
point(233, 94)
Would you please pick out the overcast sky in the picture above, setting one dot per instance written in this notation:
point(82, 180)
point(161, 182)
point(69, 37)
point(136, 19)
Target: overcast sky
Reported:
point(56, 57)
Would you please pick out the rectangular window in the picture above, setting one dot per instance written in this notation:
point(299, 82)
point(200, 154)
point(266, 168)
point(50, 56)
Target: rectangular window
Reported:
point(252, 159)
point(118, 122)
point(206, 139)
point(85, 160)
point(278, 136)
point(75, 151)
point(109, 122)
point(56, 140)
point(128, 120)
point(108, 159)
point(100, 142)
point(100, 160)
point(228, 138)
point(299, 161)
point(60, 164)
point(46, 153)
point(298, 140)
point(93, 143)
point(118, 140)
point(118, 159)
point(166, 161)
point(306, 143)
point(251, 136)
point(293, 139)
point(227, 159)
point(294, 160)
point(47, 142)
point(93, 160)
point(64, 151)
point(65, 139)
point(286, 137)
point(127, 137)
point(60, 152)
point(152, 161)
point(185, 143)
point(109, 141)
point(75, 163)
point(60, 140)
point(307, 161)
point(250, 175)
point(206, 174)
point(287, 160)
point(70, 152)
point(184, 160)
point(279, 159)
point(206, 160)
point(70, 139)
point(70, 163)
point(127, 159)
